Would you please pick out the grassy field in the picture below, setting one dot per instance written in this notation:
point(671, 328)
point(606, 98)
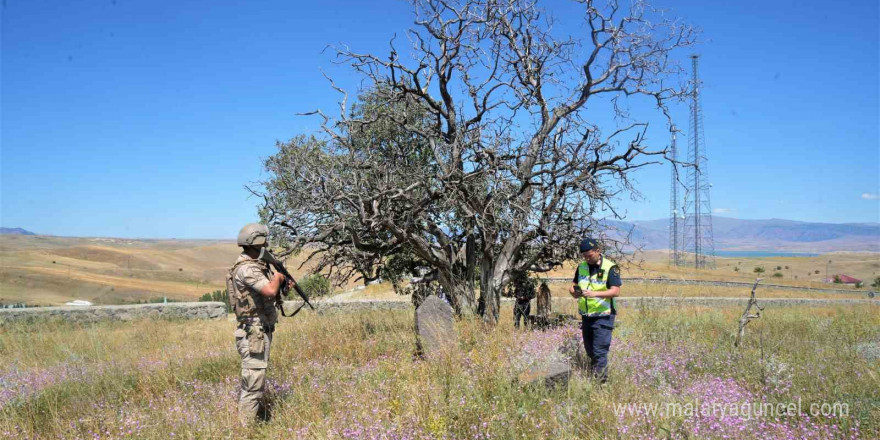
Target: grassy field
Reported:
point(42, 270)
point(795, 271)
point(384, 292)
point(354, 376)
point(668, 290)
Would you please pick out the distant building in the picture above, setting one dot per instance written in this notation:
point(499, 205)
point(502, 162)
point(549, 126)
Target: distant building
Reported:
point(844, 279)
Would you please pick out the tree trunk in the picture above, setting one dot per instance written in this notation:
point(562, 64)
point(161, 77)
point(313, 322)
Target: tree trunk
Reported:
point(490, 295)
point(494, 269)
point(460, 293)
point(470, 259)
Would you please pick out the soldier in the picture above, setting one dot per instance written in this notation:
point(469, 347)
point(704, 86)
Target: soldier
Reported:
point(253, 290)
point(523, 291)
point(596, 283)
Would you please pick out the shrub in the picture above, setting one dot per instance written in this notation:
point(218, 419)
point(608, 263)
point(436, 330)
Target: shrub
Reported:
point(837, 279)
point(779, 268)
point(777, 274)
point(315, 285)
point(817, 272)
point(736, 268)
point(759, 269)
point(218, 296)
point(876, 283)
point(859, 285)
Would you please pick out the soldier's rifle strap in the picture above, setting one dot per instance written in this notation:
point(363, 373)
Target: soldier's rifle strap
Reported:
point(279, 303)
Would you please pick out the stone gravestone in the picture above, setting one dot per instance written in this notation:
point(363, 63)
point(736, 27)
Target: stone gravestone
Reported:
point(544, 301)
point(541, 319)
point(552, 373)
point(573, 349)
point(434, 319)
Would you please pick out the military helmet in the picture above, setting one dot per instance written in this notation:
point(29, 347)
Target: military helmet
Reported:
point(253, 234)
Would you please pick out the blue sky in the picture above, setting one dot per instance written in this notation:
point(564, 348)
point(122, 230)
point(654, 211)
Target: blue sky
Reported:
point(148, 119)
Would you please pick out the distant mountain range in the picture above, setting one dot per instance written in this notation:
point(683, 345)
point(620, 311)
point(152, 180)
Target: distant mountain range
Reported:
point(766, 235)
point(15, 231)
point(740, 235)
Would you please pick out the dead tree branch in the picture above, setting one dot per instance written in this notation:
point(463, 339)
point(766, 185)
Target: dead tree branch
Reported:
point(747, 314)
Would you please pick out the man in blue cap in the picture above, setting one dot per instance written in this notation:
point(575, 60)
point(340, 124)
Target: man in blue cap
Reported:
point(596, 283)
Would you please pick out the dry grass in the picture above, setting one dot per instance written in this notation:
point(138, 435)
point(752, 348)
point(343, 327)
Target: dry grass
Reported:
point(864, 266)
point(353, 376)
point(674, 291)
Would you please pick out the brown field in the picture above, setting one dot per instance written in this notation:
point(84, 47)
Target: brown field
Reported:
point(42, 270)
point(795, 271)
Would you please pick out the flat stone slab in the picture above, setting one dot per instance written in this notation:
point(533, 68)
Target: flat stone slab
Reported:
point(554, 373)
point(434, 325)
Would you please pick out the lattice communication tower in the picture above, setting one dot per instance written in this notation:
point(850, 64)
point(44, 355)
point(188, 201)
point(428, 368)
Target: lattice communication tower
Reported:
point(676, 216)
point(697, 238)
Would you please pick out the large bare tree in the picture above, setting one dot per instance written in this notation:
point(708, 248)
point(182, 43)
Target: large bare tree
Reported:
point(472, 153)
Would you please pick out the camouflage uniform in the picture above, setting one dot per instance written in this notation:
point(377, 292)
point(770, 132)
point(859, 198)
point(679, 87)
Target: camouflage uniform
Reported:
point(256, 316)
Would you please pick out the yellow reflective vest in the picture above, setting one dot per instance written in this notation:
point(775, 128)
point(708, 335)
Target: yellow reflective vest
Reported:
point(595, 283)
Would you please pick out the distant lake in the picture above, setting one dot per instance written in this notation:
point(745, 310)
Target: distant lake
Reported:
point(762, 254)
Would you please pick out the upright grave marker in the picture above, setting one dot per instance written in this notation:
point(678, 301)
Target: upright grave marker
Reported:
point(434, 319)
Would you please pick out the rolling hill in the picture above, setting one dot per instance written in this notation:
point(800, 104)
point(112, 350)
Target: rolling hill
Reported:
point(767, 235)
point(47, 270)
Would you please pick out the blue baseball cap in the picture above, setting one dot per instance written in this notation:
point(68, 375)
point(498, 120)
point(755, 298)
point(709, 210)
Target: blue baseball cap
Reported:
point(588, 244)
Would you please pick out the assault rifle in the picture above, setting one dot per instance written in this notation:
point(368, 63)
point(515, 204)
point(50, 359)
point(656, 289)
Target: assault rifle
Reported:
point(267, 256)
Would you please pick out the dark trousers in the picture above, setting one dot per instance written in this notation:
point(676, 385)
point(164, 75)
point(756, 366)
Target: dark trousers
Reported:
point(597, 341)
point(523, 309)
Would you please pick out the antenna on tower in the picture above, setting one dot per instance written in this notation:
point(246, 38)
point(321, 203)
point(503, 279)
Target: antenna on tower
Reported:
point(698, 237)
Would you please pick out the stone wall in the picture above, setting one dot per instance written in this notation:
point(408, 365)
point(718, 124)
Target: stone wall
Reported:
point(216, 310)
point(351, 305)
point(193, 310)
point(653, 301)
point(563, 303)
point(867, 293)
